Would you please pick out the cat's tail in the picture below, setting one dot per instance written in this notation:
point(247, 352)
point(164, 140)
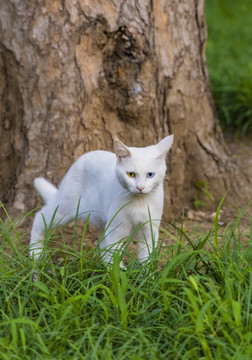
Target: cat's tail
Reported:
point(46, 189)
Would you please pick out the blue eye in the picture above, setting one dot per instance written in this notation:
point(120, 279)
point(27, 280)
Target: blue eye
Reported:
point(150, 174)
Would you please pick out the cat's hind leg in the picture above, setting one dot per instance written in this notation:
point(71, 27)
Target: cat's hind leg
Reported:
point(49, 217)
point(37, 236)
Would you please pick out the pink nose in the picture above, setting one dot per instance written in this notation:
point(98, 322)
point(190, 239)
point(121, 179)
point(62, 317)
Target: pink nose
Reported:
point(140, 188)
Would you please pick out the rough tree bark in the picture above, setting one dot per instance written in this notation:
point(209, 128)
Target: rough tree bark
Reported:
point(77, 73)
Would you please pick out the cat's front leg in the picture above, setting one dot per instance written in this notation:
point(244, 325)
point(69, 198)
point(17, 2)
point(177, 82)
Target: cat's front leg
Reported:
point(147, 237)
point(113, 240)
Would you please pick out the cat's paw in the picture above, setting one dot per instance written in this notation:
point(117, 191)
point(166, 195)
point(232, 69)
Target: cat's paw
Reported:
point(123, 266)
point(35, 252)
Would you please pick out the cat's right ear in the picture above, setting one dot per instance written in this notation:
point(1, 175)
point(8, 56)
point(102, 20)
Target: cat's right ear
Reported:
point(121, 150)
point(164, 145)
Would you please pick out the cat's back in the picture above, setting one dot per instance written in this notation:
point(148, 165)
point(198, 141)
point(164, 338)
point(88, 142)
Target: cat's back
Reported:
point(90, 171)
point(96, 163)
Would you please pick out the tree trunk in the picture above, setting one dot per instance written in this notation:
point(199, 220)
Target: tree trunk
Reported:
point(77, 73)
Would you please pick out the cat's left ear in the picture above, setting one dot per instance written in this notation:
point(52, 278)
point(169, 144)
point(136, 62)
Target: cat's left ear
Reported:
point(164, 145)
point(121, 150)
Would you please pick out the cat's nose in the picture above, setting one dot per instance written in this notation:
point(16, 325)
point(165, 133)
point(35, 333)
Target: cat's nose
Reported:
point(140, 188)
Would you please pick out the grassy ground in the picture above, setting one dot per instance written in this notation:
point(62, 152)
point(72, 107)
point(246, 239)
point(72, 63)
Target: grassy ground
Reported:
point(229, 55)
point(191, 301)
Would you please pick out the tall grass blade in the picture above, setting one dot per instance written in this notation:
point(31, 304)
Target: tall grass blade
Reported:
point(216, 225)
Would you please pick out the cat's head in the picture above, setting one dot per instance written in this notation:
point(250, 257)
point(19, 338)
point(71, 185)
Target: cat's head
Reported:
point(140, 170)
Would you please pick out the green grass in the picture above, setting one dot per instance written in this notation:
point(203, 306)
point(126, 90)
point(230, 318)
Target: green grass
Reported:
point(229, 58)
point(193, 300)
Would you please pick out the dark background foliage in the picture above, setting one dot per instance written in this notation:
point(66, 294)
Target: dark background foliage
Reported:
point(229, 58)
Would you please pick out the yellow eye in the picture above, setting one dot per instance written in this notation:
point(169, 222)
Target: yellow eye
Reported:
point(131, 174)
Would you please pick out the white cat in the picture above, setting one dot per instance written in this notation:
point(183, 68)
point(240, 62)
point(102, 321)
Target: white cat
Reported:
point(102, 183)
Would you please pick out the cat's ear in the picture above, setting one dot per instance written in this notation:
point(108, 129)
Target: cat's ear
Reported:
point(164, 145)
point(121, 150)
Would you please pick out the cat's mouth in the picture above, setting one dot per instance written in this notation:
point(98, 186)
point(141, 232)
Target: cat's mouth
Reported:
point(141, 193)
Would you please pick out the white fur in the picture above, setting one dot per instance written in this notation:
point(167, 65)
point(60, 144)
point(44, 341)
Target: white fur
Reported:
point(46, 189)
point(99, 182)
